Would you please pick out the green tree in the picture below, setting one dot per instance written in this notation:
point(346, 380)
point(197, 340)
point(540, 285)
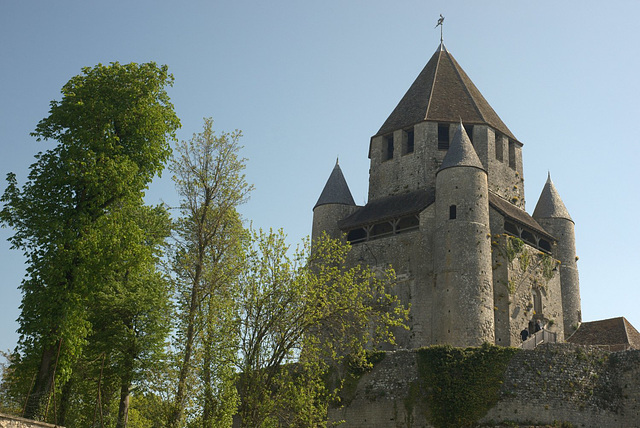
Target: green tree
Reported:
point(112, 128)
point(209, 177)
point(300, 316)
point(129, 314)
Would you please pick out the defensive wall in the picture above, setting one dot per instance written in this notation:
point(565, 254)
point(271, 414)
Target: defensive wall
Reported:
point(7, 421)
point(561, 385)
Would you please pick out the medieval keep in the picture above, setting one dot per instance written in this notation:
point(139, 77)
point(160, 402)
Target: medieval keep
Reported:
point(446, 210)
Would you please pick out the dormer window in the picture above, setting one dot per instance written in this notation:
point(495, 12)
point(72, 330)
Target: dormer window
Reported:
point(443, 136)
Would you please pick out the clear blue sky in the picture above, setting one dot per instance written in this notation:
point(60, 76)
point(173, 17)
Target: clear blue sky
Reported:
point(309, 81)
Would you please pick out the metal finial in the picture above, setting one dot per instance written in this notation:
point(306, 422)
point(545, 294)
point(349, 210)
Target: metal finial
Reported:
point(439, 24)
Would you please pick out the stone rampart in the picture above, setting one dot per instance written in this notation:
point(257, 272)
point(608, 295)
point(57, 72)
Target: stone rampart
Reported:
point(553, 385)
point(7, 421)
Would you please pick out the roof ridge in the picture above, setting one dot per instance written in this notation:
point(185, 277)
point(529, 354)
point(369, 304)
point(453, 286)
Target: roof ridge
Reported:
point(466, 89)
point(433, 83)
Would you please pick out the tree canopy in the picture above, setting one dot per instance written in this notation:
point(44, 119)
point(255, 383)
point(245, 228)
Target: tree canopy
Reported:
point(256, 327)
point(112, 130)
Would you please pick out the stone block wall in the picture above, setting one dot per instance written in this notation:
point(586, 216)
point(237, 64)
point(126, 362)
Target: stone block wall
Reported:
point(7, 421)
point(548, 386)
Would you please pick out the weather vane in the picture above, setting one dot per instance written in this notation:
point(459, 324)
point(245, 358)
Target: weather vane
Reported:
point(439, 24)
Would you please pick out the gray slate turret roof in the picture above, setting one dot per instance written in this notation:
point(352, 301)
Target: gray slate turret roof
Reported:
point(443, 92)
point(461, 152)
point(336, 191)
point(550, 204)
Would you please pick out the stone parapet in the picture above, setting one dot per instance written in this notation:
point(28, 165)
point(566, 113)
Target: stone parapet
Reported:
point(7, 421)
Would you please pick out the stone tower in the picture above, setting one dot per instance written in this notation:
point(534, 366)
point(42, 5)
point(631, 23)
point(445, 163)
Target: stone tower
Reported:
point(463, 314)
point(446, 209)
point(551, 213)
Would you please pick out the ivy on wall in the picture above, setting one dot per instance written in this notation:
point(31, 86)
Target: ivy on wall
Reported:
point(534, 265)
point(459, 385)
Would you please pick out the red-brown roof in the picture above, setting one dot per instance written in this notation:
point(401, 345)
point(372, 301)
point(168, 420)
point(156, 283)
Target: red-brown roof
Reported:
point(615, 332)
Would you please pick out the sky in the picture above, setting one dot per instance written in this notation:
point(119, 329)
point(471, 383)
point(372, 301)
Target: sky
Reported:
point(308, 82)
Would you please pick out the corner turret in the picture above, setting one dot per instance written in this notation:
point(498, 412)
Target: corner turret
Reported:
point(551, 213)
point(335, 203)
point(463, 313)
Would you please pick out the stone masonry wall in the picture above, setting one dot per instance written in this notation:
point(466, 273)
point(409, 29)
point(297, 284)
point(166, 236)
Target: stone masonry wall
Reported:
point(7, 421)
point(551, 385)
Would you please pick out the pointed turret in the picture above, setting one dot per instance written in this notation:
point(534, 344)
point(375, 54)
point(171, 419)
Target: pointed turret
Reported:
point(463, 314)
point(461, 152)
point(552, 214)
point(550, 204)
point(334, 204)
point(336, 191)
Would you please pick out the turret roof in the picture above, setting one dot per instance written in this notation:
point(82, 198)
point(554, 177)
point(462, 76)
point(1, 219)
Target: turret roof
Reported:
point(550, 204)
point(336, 191)
point(461, 151)
point(443, 92)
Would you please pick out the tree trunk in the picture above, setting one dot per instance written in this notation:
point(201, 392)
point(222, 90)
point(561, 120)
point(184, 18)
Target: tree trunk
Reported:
point(123, 410)
point(126, 377)
point(176, 415)
point(207, 413)
point(42, 385)
point(65, 399)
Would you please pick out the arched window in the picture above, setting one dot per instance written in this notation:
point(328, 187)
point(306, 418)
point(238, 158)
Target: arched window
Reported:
point(511, 229)
point(528, 238)
point(545, 245)
point(537, 301)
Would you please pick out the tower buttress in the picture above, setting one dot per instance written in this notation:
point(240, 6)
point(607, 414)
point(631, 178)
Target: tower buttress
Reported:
point(463, 313)
point(551, 213)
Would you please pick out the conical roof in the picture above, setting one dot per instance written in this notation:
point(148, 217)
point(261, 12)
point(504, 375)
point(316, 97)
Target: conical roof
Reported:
point(461, 152)
point(550, 204)
point(336, 191)
point(443, 92)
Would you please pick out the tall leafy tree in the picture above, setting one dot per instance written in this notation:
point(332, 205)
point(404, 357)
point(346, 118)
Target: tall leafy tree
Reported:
point(209, 177)
point(112, 130)
point(300, 315)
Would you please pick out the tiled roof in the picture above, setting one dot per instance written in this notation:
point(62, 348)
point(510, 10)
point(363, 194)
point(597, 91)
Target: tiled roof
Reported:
point(443, 92)
point(550, 204)
point(521, 216)
point(609, 332)
point(388, 208)
point(336, 191)
point(414, 202)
